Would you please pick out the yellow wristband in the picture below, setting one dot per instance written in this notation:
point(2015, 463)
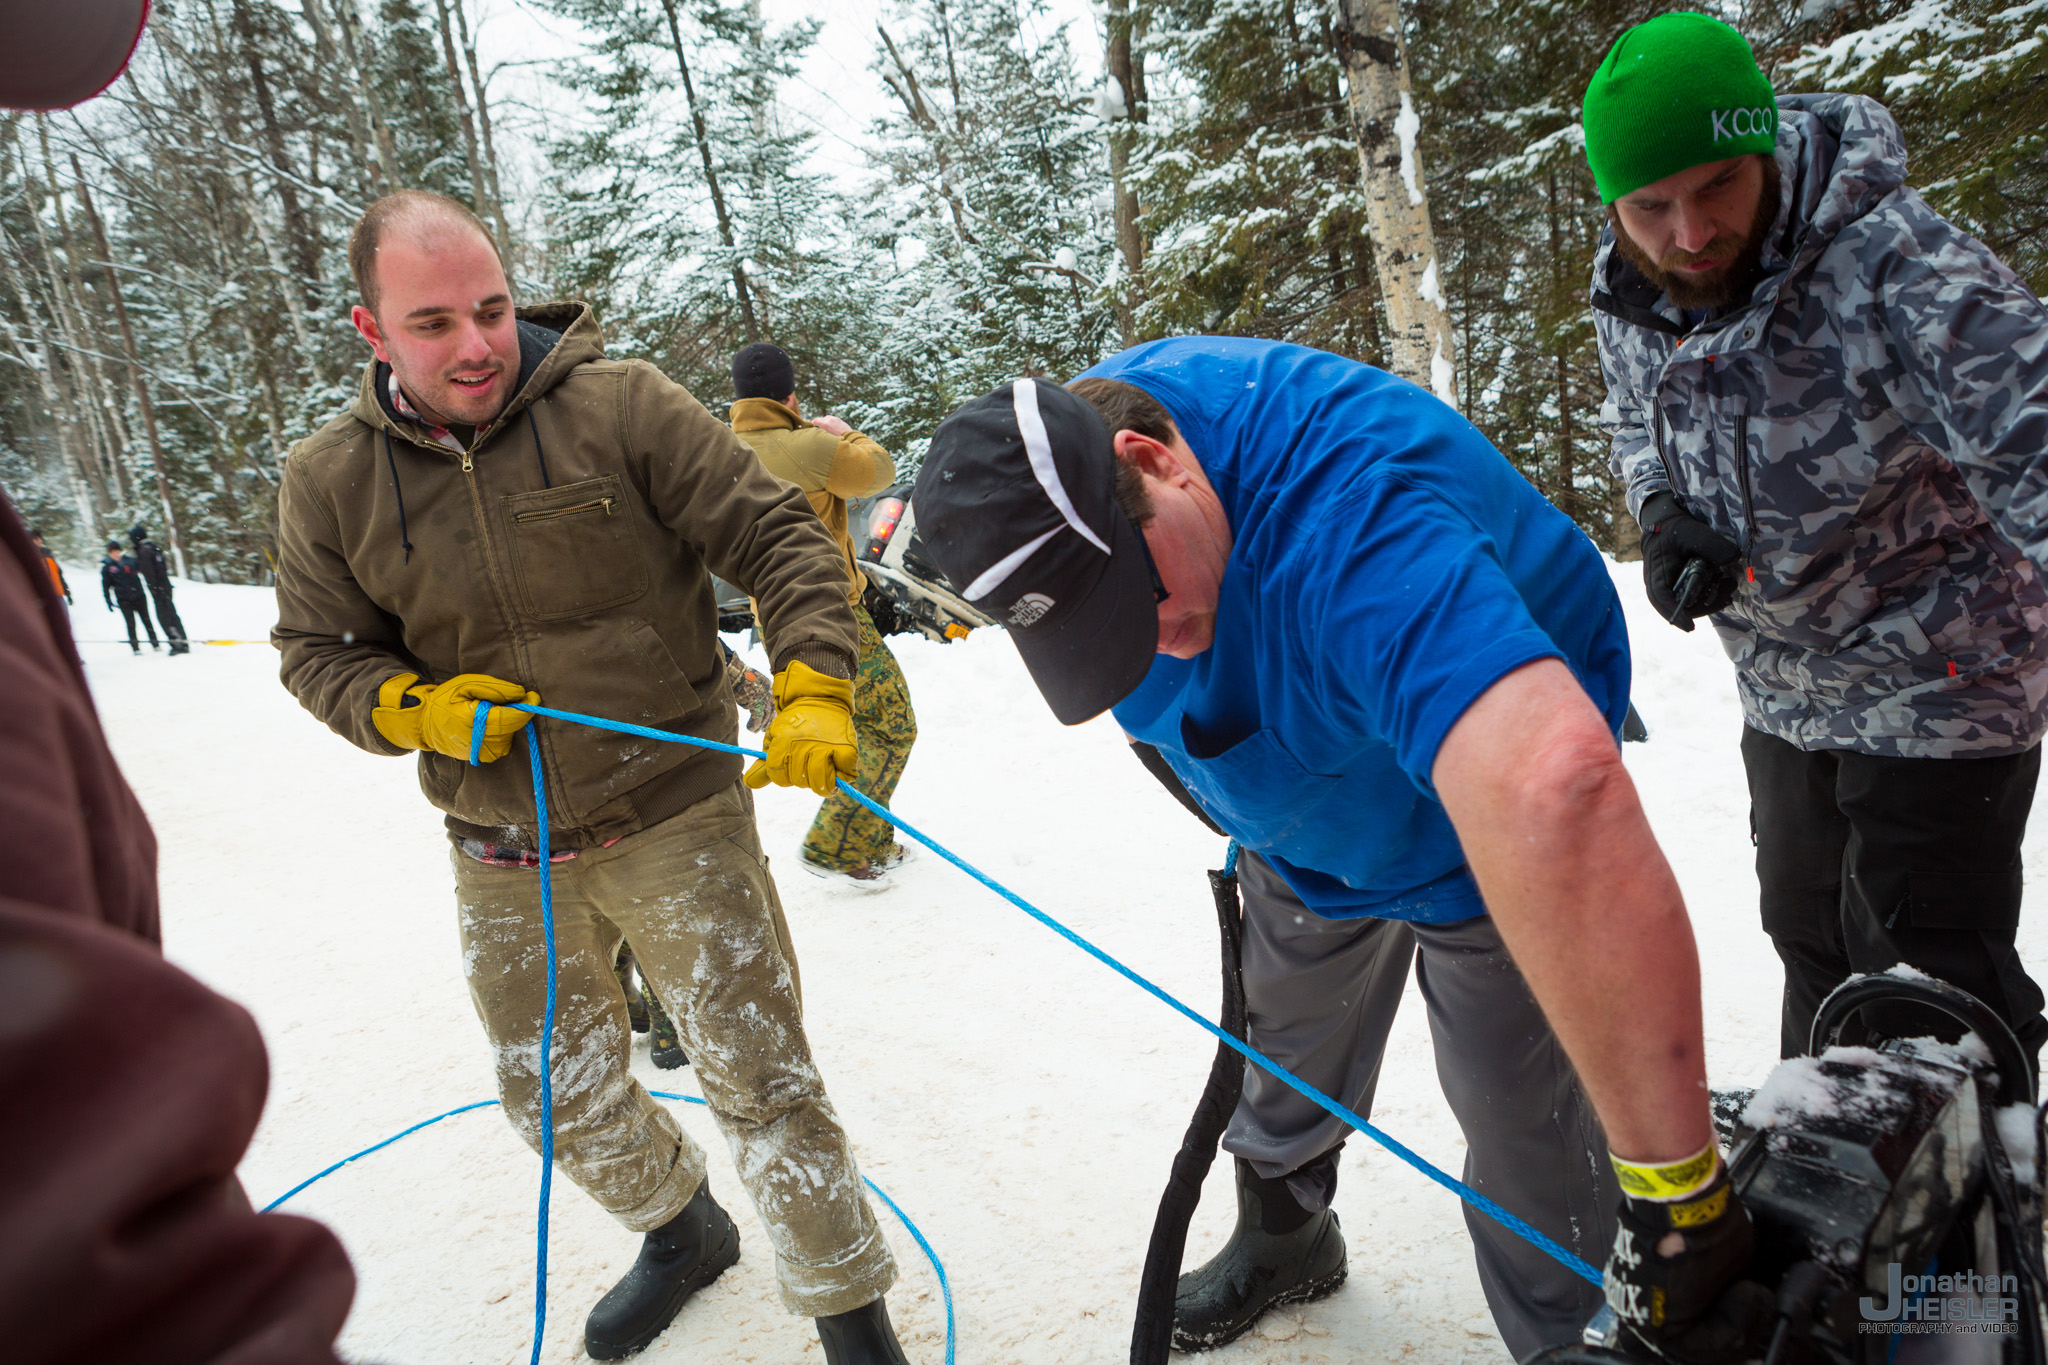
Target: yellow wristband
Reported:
point(1673, 1180)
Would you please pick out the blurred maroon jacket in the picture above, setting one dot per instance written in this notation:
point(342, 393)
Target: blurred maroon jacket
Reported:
point(128, 1091)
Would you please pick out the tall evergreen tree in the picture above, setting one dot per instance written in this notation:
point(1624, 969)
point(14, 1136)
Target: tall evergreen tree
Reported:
point(998, 199)
point(1968, 82)
point(685, 211)
point(1518, 219)
point(1251, 180)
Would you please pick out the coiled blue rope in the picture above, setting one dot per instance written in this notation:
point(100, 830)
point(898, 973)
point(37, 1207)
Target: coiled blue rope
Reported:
point(1577, 1264)
point(938, 1266)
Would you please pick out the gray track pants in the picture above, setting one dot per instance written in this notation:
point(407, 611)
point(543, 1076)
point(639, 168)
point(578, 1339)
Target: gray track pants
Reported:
point(1321, 995)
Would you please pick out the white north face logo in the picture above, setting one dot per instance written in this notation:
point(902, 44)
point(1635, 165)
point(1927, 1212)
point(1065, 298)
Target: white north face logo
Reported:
point(1029, 609)
point(1732, 123)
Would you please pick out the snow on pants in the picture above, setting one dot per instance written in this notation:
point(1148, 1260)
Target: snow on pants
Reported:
point(1864, 862)
point(694, 898)
point(847, 834)
point(1320, 996)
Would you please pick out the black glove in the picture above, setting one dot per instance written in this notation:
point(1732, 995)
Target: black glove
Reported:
point(1675, 1278)
point(1672, 539)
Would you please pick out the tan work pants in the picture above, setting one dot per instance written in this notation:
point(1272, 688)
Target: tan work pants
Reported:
point(694, 898)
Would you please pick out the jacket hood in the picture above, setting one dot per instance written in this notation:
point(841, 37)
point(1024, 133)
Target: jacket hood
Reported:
point(1839, 157)
point(554, 338)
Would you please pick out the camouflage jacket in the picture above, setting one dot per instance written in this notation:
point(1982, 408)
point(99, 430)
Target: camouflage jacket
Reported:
point(1870, 426)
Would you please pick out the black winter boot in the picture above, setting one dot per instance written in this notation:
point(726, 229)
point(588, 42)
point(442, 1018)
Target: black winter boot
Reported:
point(1280, 1253)
point(636, 1002)
point(678, 1258)
point(664, 1045)
point(862, 1337)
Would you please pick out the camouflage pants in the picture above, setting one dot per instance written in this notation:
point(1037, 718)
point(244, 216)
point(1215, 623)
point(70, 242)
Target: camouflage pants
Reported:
point(694, 897)
point(846, 834)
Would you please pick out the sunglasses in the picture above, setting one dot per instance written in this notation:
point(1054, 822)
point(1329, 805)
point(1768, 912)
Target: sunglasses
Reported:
point(1159, 592)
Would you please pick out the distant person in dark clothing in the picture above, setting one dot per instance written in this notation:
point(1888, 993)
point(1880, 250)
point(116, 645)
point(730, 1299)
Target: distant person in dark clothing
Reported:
point(121, 586)
point(156, 575)
point(50, 563)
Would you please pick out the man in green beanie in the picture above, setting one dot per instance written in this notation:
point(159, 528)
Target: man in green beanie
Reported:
point(1830, 410)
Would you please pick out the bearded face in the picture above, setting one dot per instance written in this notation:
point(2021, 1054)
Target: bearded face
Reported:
point(1699, 235)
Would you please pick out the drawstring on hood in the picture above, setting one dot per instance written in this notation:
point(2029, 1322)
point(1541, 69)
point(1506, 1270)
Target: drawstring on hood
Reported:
point(538, 453)
point(404, 539)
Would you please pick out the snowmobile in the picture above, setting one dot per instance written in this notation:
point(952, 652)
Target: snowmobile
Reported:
point(1896, 1192)
point(905, 592)
point(904, 586)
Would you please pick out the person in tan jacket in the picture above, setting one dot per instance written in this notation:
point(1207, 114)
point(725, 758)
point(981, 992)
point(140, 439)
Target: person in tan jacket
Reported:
point(505, 515)
point(831, 463)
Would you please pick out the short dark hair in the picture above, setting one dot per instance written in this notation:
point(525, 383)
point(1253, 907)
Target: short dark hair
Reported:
point(1126, 407)
point(418, 212)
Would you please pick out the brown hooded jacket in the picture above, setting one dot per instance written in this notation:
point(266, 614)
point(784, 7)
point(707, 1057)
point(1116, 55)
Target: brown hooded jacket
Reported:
point(569, 549)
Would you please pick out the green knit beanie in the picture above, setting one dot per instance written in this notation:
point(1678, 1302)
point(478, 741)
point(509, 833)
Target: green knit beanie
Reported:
point(1677, 92)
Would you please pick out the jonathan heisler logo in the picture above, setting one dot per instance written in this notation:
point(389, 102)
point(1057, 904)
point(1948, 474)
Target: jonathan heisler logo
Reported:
point(1931, 1305)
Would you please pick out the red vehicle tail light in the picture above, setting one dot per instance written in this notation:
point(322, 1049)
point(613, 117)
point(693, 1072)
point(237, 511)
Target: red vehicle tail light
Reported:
point(882, 525)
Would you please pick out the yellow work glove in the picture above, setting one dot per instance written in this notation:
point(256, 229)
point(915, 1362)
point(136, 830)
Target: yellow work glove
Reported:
point(401, 701)
point(441, 717)
point(810, 742)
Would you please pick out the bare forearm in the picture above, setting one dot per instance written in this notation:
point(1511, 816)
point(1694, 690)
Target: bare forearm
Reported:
point(1588, 906)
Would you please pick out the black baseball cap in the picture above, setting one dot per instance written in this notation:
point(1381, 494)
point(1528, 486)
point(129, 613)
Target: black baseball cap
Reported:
point(1016, 503)
point(63, 52)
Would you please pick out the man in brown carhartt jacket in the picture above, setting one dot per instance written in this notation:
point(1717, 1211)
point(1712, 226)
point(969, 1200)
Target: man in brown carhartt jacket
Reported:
point(502, 513)
point(568, 546)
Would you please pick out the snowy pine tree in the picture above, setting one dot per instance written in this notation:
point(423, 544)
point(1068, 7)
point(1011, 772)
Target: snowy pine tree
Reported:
point(997, 207)
point(686, 213)
point(1968, 82)
point(1251, 182)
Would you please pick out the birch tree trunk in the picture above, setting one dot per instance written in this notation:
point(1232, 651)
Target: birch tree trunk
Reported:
point(386, 165)
point(72, 330)
point(1375, 58)
point(42, 362)
point(911, 93)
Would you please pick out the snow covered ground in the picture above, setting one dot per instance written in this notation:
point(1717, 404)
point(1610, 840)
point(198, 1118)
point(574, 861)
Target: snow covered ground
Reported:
point(1018, 1100)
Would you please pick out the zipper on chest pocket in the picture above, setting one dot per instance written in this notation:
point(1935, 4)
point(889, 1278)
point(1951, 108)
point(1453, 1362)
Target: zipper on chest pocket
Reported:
point(549, 513)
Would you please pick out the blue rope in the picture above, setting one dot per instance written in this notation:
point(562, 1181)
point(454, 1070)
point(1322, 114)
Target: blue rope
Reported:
point(1578, 1265)
point(938, 1267)
point(374, 1147)
point(547, 1037)
point(945, 1289)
